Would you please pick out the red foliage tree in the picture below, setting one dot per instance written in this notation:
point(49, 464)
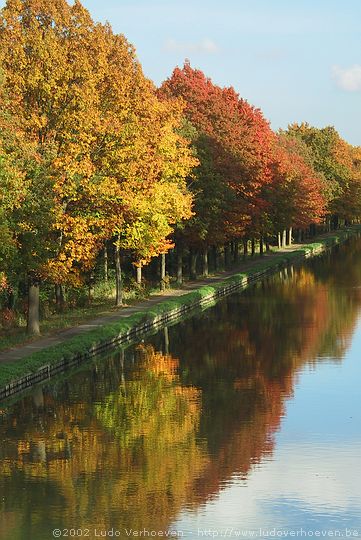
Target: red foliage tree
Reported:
point(296, 194)
point(239, 141)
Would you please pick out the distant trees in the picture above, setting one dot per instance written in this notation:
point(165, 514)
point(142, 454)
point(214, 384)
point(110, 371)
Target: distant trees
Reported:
point(92, 155)
point(339, 163)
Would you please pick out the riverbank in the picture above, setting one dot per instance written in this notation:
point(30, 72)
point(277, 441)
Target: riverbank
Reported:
point(26, 366)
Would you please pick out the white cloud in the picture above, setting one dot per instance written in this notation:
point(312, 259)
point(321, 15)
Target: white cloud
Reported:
point(206, 46)
point(348, 79)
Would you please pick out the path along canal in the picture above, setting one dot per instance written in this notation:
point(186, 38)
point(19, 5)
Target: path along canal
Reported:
point(243, 421)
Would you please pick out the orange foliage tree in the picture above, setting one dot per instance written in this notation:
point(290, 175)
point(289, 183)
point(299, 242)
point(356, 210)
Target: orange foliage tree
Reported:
point(234, 145)
point(297, 193)
point(102, 141)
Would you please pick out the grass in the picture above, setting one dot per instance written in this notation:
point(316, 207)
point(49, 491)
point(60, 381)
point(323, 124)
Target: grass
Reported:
point(82, 344)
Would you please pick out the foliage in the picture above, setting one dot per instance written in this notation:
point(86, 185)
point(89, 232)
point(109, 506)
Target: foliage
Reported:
point(296, 194)
point(338, 162)
point(233, 142)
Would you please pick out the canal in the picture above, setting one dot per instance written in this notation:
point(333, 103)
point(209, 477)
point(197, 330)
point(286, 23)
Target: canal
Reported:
point(242, 421)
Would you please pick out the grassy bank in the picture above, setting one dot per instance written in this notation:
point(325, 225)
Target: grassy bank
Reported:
point(77, 349)
point(72, 316)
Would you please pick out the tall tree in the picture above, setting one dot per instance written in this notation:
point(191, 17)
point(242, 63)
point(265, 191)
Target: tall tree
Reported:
point(297, 193)
point(234, 140)
point(139, 146)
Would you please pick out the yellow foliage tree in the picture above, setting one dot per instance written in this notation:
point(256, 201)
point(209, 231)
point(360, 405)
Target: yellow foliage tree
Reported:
point(105, 147)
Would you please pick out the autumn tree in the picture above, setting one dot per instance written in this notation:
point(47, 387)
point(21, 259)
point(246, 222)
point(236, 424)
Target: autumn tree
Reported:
point(161, 200)
point(47, 55)
point(234, 141)
point(296, 195)
point(349, 204)
point(138, 147)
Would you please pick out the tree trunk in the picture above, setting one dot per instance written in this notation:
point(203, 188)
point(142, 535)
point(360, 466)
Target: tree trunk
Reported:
point(236, 252)
point(215, 258)
point(105, 263)
point(245, 247)
point(328, 221)
point(226, 255)
point(139, 274)
point(267, 243)
point(261, 246)
point(193, 265)
point(90, 293)
point(253, 247)
point(299, 236)
point(10, 301)
point(179, 264)
point(290, 236)
point(118, 276)
point(231, 249)
point(279, 242)
point(63, 294)
point(33, 323)
point(205, 268)
point(162, 272)
point(59, 297)
point(91, 288)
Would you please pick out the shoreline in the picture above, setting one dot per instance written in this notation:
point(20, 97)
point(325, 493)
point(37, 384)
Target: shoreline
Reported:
point(24, 373)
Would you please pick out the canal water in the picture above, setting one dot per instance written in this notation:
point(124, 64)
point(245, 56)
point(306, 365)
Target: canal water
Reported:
point(243, 421)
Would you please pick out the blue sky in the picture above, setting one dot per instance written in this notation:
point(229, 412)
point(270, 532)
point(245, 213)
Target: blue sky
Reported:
point(295, 59)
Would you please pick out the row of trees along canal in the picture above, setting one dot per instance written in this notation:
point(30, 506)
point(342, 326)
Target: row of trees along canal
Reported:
point(96, 163)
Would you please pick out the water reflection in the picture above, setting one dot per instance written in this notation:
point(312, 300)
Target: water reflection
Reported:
point(184, 430)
